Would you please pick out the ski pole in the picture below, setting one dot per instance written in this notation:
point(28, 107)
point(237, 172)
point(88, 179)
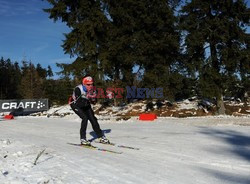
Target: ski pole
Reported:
point(48, 115)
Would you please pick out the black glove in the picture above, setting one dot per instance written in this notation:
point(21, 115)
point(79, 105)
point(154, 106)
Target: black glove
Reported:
point(93, 101)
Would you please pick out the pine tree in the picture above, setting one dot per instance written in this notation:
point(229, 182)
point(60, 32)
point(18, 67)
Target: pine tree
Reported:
point(88, 24)
point(58, 91)
point(142, 33)
point(31, 83)
point(15, 79)
point(49, 72)
point(2, 78)
point(10, 77)
point(214, 39)
point(42, 72)
point(244, 70)
point(110, 37)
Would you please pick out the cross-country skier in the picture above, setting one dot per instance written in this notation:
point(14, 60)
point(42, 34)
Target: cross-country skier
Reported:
point(81, 104)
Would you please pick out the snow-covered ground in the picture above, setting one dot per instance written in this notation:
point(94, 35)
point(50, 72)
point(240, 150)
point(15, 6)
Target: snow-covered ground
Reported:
point(172, 151)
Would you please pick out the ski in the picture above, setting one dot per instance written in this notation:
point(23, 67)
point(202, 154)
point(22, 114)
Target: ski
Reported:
point(118, 145)
point(95, 148)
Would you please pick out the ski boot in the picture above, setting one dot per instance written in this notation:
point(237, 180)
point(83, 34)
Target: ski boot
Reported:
point(103, 140)
point(85, 142)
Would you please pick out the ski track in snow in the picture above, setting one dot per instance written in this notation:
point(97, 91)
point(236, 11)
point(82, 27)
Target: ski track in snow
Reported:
point(174, 151)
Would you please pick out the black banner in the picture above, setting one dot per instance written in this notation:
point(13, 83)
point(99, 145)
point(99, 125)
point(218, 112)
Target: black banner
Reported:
point(26, 105)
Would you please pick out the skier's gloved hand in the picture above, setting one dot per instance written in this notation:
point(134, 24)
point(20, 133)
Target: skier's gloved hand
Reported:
point(93, 101)
point(92, 98)
point(91, 94)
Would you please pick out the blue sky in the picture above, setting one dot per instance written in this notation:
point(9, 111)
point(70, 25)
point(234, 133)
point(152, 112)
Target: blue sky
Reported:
point(27, 33)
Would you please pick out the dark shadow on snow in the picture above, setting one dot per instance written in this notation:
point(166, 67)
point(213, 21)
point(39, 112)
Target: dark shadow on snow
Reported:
point(93, 134)
point(240, 143)
point(226, 177)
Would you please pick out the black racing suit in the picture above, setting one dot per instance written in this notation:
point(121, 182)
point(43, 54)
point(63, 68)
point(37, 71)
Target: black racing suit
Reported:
point(81, 106)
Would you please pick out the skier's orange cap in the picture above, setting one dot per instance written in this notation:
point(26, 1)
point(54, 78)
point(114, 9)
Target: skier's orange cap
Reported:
point(87, 80)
